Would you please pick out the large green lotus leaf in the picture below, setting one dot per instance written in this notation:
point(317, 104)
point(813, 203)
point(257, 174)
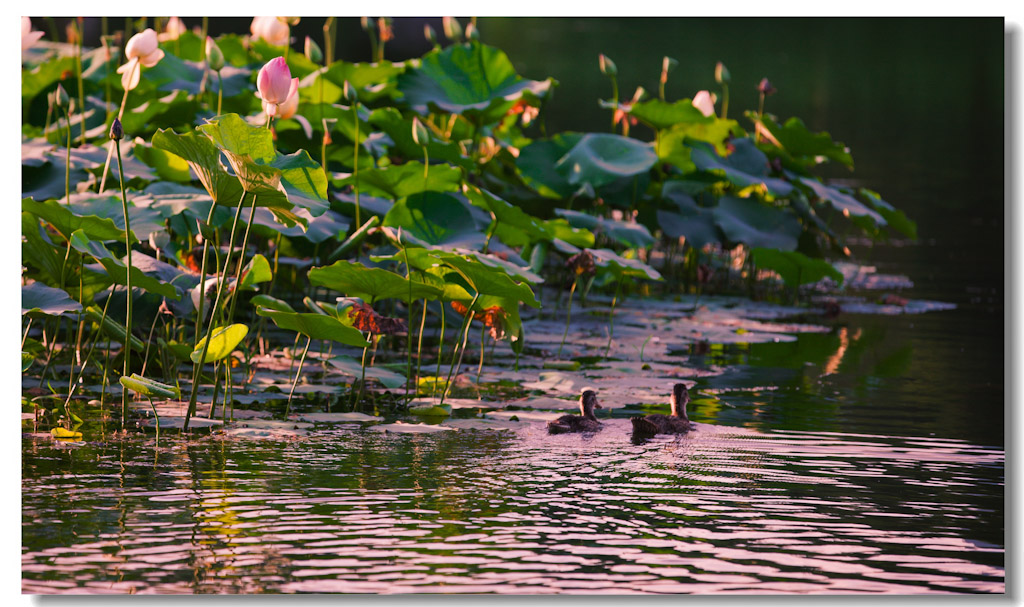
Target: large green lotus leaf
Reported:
point(44, 76)
point(168, 166)
point(506, 213)
point(671, 146)
point(203, 157)
point(177, 107)
point(118, 270)
point(895, 218)
point(794, 267)
point(536, 163)
point(801, 143)
point(432, 219)
point(372, 284)
point(841, 201)
point(371, 80)
point(690, 220)
point(144, 220)
point(223, 341)
point(271, 303)
point(472, 79)
point(601, 158)
point(399, 181)
point(745, 166)
point(628, 233)
point(488, 280)
point(317, 326)
point(512, 269)
point(256, 271)
point(756, 225)
point(37, 251)
point(662, 114)
point(351, 366)
point(38, 299)
point(277, 180)
point(399, 129)
point(561, 230)
point(620, 266)
point(44, 167)
point(343, 117)
point(318, 229)
point(66, 221)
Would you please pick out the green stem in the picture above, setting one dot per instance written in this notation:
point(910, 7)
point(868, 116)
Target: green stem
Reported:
point(568, 316)
point(355, 161)
point(459, 350)
point(128, 281)
point(611, 317)
point(216, 304)
point(220, 91)
point(408, 337)
point(725, 101)
point(440, 348)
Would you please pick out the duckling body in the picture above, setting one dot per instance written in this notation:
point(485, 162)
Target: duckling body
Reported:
point(586, 422)
point(675, 423)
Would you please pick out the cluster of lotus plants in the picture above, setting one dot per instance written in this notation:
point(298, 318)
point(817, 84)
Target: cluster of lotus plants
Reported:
point(184, 195)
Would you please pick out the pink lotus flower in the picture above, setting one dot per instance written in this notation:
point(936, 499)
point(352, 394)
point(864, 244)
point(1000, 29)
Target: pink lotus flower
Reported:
point(705, 102)
point(174, 29)
point(271, 29)
point(28, 37)
point(276, 85)
point(142, 49)
point(288, 108)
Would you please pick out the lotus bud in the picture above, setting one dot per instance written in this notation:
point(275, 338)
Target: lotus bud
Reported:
point(364, 22)
point(607, 66)
point(705, 102)
point(174, 29)
point(472, 33)
point(765, 88)
point(275, 84)
point(667, 65)
point(60, 97)
point(420, 135)
point(722, 73)
point(292, 21)
point(429, 34)
point(452, 29)
point(214, 56)
point(312, 51)
point(270, 29)
point(287, 109)
point(116, 130)
point(348, 93)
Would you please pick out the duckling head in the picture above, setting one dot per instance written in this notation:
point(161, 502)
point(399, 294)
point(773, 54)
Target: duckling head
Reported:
point(679, 399)
point(588, 402)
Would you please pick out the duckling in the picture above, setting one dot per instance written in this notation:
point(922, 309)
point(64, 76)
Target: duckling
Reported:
point(675, 423)
point(579, 423)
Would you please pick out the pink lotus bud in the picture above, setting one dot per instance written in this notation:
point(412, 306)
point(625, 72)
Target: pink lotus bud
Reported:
point(28, 37)
point(275, 84)
point(705, 102)
point(271, 29)
point(174, 29)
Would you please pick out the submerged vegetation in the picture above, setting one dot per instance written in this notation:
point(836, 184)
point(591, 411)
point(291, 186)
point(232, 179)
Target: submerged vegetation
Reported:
point(196, 211)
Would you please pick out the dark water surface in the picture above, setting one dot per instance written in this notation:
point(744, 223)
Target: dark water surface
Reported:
point(866, 459)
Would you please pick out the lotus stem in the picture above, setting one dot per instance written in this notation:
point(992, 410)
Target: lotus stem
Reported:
point(216, 305)
point(611, 316)
point(440, 348)
point(459, 351)
point(355, 161)
point(568, 316)
point(298, 372)
point(480, 367)
point(128, 278)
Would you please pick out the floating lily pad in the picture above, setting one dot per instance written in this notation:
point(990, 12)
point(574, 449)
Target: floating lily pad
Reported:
point(404, 428)
point(473, 79)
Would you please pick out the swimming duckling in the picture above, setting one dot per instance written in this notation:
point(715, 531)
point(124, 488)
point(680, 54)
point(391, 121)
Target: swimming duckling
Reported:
point(579, 423)
point(675, 423)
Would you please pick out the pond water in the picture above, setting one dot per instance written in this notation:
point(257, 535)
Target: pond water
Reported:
point(867, 457)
